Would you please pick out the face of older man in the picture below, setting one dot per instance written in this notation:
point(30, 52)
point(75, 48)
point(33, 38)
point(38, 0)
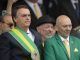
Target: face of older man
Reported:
point(46, 30)
point(64, 26)
point(7, 24)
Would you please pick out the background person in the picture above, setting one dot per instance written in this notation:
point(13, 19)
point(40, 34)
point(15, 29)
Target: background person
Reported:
point(71, 8)
point(10, 41)
point(62, 46)
point(46, 27)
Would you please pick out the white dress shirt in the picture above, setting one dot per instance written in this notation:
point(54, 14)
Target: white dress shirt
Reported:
point(40, 2)
point(30, 35)
point(64, 38)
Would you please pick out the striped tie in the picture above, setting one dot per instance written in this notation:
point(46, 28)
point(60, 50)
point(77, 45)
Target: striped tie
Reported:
point(66, 43)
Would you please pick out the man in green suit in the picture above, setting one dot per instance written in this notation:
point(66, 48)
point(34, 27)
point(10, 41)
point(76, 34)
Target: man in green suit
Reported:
point(62, 46)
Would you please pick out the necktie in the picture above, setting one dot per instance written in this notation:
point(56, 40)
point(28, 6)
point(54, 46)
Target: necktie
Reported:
point(37, 11)
point(66, 43)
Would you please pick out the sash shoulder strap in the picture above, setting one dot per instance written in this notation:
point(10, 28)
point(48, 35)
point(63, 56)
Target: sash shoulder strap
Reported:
point(23, 39)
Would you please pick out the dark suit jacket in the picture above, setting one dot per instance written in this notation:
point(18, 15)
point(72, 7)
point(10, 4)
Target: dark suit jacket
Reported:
point(51, 7)
point(10, 49)
point(3, 5)
point(55, 49)
point(33, 16)
point(65, 7)
point(59, 7)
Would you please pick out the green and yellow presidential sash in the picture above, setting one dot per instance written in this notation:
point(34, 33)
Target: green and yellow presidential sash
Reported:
point(24, 40)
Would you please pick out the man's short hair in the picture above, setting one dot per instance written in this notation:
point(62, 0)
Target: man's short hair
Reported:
point(14, 10)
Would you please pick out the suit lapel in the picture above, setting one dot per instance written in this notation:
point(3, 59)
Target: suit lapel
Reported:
point(61, 44)
point(72, 48)
point(36, 40)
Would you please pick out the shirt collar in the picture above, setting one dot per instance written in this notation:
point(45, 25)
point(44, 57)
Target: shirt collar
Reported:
point(30, 35)
point(64, 38)
point(28, 31)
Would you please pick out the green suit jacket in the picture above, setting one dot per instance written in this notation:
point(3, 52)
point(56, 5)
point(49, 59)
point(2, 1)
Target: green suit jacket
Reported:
point(55, 49)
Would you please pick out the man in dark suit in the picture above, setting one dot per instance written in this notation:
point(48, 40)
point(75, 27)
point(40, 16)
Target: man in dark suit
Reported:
point(3, 5)
point(51, 7)
point(6, 20)
point(21, 43)
point(46, 27)
point(30, 5)
point(59, 7)
point(62, 46)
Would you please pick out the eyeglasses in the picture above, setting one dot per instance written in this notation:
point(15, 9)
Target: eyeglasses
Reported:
point(9, 24)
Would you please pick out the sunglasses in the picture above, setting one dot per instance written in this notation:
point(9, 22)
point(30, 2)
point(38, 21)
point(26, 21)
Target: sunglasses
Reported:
point(9, 24)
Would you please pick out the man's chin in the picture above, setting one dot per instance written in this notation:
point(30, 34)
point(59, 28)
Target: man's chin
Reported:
point(26, 25)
